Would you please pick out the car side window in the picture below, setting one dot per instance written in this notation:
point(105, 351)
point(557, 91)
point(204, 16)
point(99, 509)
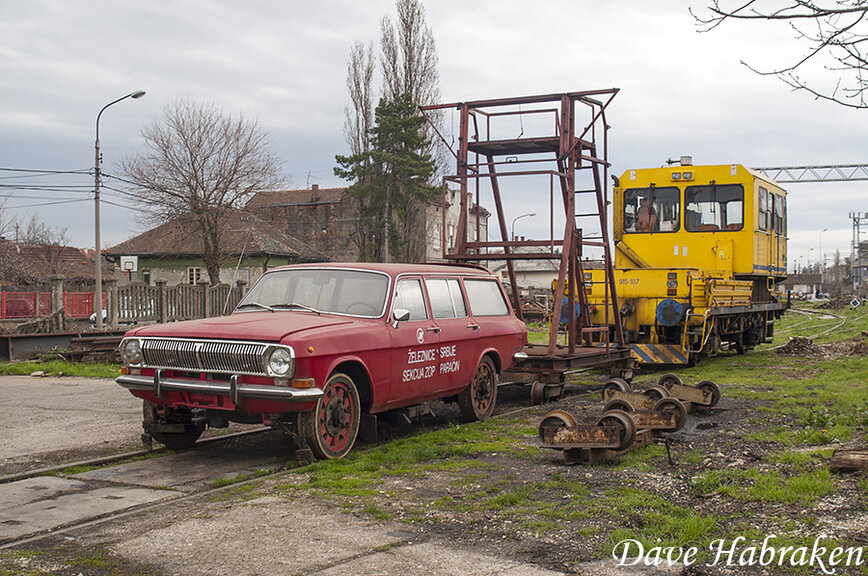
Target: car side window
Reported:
point(409, 296)
point(446, 299)
point(441, 301)
point(485, 298)
point(457, 298)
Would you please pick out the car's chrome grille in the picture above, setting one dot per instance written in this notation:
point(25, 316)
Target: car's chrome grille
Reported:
point(204, 355)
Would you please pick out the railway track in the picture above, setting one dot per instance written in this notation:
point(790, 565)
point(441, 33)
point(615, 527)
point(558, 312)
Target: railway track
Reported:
point(175, 496)
point(111, 459)
point(810, 314)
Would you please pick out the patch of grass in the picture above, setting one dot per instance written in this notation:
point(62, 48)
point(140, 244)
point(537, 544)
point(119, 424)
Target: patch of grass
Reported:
point(863, 486)
point(96, 560)
point(376, 512)
point(221, 482)
point(655, 521)
point(641, 459)
point(693, 457)
point(54, 367)
point(766, 486)
point(807, 436)
point(241, 493)
point(797, 458)
point(73, 470)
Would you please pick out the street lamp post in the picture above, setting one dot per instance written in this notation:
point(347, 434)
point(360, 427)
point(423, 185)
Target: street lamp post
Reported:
point(512, 228)
point(822, 261)
point(97, 291)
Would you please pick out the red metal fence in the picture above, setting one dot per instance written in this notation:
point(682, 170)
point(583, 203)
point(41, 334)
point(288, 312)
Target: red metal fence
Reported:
point(136, 302)
point(36, 304)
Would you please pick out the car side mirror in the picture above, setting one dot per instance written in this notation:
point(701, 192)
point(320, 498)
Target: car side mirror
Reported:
point(400, 315)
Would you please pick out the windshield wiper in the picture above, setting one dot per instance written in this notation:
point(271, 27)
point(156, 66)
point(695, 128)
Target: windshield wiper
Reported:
point(256, 305)
point(297, 305)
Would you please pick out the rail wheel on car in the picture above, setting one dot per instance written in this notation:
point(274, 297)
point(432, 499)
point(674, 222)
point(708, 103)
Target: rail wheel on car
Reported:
point(183, 434)
point(476, 402)
point(330, 429)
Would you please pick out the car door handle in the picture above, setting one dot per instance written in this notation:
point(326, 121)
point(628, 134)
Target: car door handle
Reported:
point(473, 326)
point(435, 329)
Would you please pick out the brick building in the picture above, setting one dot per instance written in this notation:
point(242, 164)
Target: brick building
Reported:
point(324, 218)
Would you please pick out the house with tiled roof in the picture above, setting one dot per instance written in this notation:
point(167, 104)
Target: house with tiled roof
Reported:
point(172, 251)
point(325, 218)
point(30, 265)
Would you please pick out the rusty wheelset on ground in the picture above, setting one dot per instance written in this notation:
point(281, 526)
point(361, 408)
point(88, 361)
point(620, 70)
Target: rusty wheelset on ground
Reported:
point(629, 420)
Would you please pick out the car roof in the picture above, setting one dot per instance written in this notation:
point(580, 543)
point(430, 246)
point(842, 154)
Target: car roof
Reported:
point(395, 269)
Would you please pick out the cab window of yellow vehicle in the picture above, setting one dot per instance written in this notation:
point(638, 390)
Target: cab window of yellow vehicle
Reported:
point(652, 210)
point(780, 218)
point(714, 208)
point(763, 209)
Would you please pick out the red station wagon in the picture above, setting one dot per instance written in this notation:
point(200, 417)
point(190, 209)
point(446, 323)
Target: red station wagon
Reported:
point(314, 348)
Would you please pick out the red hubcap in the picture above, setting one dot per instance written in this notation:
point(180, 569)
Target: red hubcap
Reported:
point(482, 392)
point(336, 416)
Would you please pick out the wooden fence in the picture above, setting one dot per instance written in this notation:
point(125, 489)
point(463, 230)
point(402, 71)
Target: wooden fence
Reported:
point(128, 304)
point(140, 302)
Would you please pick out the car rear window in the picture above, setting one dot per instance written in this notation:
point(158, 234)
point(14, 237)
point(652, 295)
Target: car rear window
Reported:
point(485, 298)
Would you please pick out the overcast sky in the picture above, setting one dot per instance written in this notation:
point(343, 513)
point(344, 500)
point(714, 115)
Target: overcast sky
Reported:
point(284, 63)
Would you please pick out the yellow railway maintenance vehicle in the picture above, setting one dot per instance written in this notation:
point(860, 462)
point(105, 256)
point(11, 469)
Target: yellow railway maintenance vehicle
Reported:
point(698, 253)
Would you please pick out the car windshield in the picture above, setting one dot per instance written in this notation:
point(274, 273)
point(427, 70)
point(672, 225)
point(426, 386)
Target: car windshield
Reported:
point(350, 292)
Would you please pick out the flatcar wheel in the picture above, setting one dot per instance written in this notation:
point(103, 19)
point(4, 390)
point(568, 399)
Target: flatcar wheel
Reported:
point(330, 429)
point(710, 389)
point(556, 419)
point(476, 402)
point(656, 392)
point(667, 380)
point(616, 385)
point(668, 407)
point(623, 423)
point(619, 404)
point(537, 392)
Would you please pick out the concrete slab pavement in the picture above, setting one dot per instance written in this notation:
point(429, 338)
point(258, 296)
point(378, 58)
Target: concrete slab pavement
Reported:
point(41, 415)
point(273, 536)
point(187, 471)
point(45, 502)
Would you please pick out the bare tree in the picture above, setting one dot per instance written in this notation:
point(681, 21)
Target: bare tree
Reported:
point(409, 55)
point(835, 32)
point(198, 165)
point(36, 255)
point(51, 244)
point(358, 121)
point(359, 117)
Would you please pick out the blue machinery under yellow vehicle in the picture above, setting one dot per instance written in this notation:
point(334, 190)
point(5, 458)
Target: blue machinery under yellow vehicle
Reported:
point(698, 253)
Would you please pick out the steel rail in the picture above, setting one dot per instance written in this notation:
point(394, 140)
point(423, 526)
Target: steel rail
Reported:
point(119, 457)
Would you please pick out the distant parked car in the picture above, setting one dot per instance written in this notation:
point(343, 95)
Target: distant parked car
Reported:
point(313, 347)
point(92, 318)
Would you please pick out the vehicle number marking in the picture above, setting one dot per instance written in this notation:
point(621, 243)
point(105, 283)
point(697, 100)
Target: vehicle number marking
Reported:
point(628, 281)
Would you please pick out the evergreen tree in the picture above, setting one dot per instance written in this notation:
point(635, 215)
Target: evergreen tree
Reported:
point(390, 184)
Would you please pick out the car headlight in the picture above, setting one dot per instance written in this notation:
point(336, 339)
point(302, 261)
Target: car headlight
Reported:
point(280, 362)
point(131, 352)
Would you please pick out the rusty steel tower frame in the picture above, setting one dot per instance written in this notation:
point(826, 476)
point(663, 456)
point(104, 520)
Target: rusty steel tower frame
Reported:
point(570, 149)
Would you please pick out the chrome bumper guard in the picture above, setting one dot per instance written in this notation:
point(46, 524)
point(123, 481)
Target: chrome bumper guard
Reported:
point(235, 391)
